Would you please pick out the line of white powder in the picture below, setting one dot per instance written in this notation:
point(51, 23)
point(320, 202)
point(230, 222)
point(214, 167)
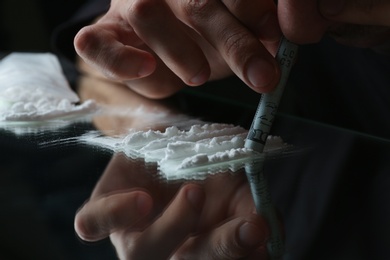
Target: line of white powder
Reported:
point(188, 154)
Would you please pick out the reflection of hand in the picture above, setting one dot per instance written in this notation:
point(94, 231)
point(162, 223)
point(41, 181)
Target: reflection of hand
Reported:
point(158, 46)
point(363, 23)
point(149, 219)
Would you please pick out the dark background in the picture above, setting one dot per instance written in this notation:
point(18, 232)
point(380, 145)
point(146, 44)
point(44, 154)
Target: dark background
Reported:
point(41, 189)
point(26, 25)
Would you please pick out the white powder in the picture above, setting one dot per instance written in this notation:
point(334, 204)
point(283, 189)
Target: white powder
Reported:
point(140, 143)
point(188, 154)
point(34, 88)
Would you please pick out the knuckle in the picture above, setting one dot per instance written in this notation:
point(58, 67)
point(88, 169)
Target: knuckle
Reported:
point(97, 52)
point(142, 10)
point(85, 39)
point(234, 41)
point(222, 251)
point(86, 226)
point(81, 226)
point(193, 9)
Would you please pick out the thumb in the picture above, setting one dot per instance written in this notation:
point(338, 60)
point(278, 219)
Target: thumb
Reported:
point(365, 12)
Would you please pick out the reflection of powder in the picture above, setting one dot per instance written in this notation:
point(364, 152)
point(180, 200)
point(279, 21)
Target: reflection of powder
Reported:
point(189, 154)
point(33, 87)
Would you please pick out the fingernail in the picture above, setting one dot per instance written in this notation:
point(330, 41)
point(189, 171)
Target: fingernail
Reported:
point(146, 68)
point(250, 235)
point(144, 204)
point(201, 77)
point(260, 73)
point(268, 28)
point(331, 7)
point(195, 196)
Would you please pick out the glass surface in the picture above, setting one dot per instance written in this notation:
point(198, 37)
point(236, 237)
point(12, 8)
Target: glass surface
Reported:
point(332, 186)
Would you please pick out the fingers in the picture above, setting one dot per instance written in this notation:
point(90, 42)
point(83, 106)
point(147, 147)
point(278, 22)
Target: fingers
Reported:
point(98, 218)
point(368, 12)
point(236, 239)
point(168, 40)
point(300, 21)
point(259, 16)
point(162, 83)
point(174, 225)
point(238, 46)
point(350, 22)
point(120, 44)
point(102, 48)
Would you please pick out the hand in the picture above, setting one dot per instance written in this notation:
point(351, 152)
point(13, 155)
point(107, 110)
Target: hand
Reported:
point(147, 218)
point(157, 47)
point(361, 23)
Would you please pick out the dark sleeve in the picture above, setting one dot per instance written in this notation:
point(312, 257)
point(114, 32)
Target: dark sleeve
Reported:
point(63, 35)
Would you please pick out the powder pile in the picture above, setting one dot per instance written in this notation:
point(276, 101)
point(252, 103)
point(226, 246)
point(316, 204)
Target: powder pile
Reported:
point(188, 154)
point(34, 88)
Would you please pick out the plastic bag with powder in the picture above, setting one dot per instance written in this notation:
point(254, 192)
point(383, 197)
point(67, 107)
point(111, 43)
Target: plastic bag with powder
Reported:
point(33, 87)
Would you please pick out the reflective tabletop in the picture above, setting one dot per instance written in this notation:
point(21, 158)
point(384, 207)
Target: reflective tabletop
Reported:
point(331, 188)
